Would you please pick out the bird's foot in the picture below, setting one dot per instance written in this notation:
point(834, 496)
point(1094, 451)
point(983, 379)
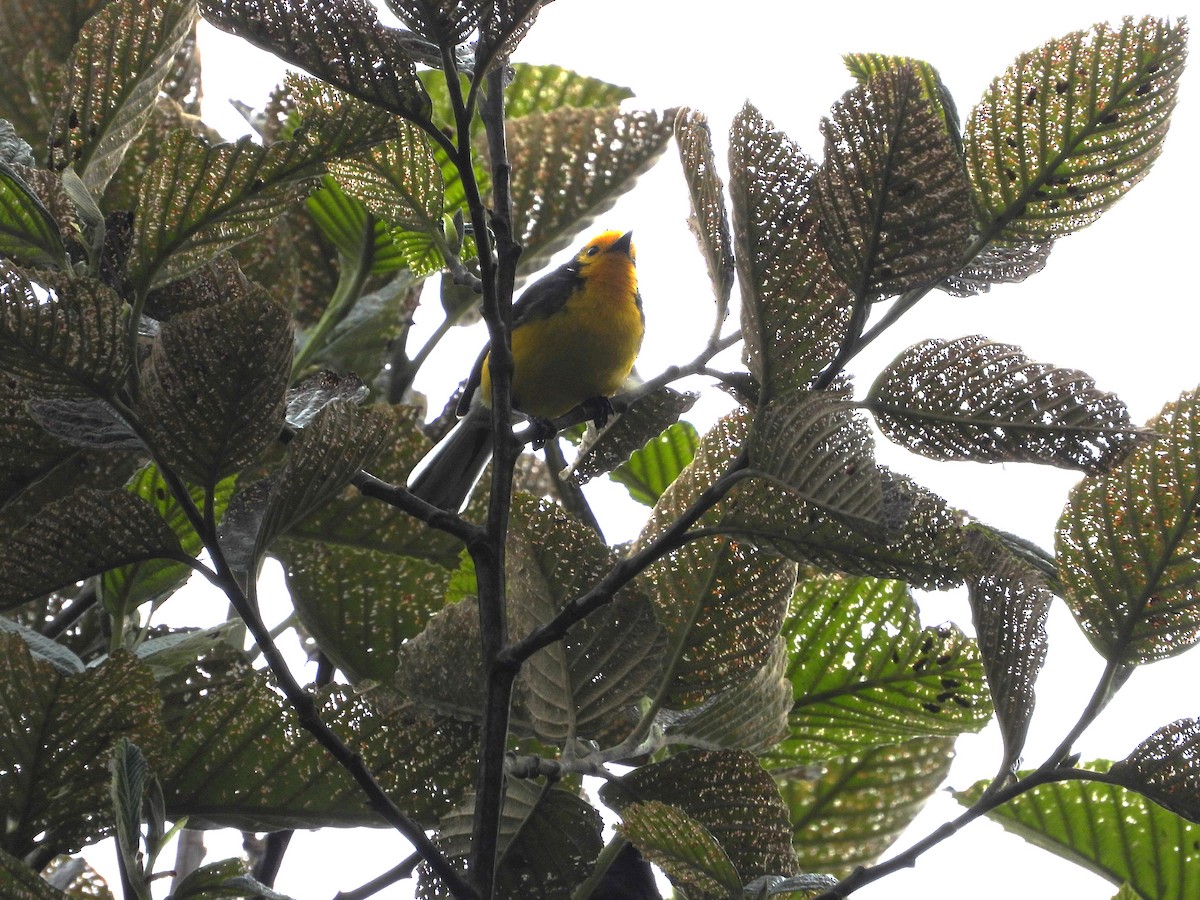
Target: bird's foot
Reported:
point(598, 409)
point(543, 430)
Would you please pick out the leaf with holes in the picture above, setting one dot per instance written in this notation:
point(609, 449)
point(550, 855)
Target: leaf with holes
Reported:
point(853, 808)
point(1071, 126)
point(857, 687)
point(1164, 768)
point(398, 180)
point(548, 843)
point(74, 341)
point(575, 687)
point(720, 601)
point(649, 471)
point(447, 23)
point(598, 154)
point(980, 400)
point(726, 792)
point(501, 28)
point(123, 57)
point(214, 387)
point(894, 201)
point(709, 221)
point(1128, 544)
point(795, 309)
point(683, 848)
point(1010, 602)
point(998, 264)
point(28, 232)
point(74, 720)
point(1107, 829)
point(79, 536)
point(339, 41)
point(865, 66)
point(441, 668)
point(27, 451)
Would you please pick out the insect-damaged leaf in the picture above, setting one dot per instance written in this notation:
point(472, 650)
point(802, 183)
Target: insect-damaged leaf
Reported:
point(709, 221)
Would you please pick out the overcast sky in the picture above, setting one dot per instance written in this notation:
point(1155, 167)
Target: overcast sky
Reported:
point(1117, 300)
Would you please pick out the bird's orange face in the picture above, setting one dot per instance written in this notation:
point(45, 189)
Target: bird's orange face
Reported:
point(609, 259)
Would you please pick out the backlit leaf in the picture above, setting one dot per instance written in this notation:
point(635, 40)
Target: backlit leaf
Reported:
point(503, 24)
point(709, 221)
point(124, 55)
point(398, 180)
point(1128, 544)
point(447, 23)
point(1071, 126)
point(339, 41)
point(998, 264)
point(976, 399)
point(795, 309)
point(355, 232)
point(649, 471)
point(1164, 768)
point(28, 232)
point(865, 66)
point(893, 196)
point(682, 847)
point(79, 536)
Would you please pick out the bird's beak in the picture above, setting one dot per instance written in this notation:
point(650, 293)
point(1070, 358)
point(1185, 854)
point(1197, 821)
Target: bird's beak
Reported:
point(623, 244)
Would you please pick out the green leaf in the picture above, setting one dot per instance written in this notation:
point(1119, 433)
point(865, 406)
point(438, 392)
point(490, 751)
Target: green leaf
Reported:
point(649, 471)
point(576, 687)
point(74, 720)
point(683, 848)
point(1164, 768)
point(602, 450)
point(720, 601)
point(984, 401)
point(545, 88)
point(214, 387)
point(1071, 126)
point(341, 43)
point(28, 232)
point(240, 759)
point(795, 309)
point(356, 233)
point(894, 200)
point(43, 649)
point(70, 343)
point(726, 792)
point(1128, 544)
point(604, 150)
point(884, 685)
point(227, 878)
point(865, 66)
point(79, 536)
point(709, 221)
point(398, 180)
point(1107, 829)
point(123, 589)
point(124, 55)
point(129, 774)
point(856, 807)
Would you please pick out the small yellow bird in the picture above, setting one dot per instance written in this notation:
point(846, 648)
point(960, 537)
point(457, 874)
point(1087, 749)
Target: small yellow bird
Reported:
point(575, 335)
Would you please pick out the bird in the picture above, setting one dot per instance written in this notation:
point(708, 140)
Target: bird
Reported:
point(576, 333)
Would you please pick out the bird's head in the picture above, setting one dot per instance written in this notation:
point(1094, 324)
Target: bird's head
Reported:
point(606, 250)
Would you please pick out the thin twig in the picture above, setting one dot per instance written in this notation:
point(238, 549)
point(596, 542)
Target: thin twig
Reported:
point(387, 879)
point(84, 600)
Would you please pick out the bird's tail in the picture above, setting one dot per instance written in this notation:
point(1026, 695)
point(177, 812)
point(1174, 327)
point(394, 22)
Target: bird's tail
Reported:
point(449, 471)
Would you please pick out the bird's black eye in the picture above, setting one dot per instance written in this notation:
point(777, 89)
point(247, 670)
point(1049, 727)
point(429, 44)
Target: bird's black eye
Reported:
point(592, 251)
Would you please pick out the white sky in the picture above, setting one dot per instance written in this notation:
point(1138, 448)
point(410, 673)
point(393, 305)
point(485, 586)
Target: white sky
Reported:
point(1117, 301)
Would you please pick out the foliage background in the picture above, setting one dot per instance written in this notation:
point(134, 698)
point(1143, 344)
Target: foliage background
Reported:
point(1117, 301)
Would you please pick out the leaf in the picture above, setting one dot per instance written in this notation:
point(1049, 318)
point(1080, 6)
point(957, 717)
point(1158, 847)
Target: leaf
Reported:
point(894, 200)
point(214, 387)
point(503, 24)
point(19, 882)
point(1107, 829)
point(355, 232)
point(1071, 126)
point(361, 605)
point(726, 792)
point(85, 422)
point(549, 840)
point(79, 536)
point(316, 392)
point(72, 342)
point(447, 23)
point(865, 66)
point(576, 687)
point(1164, 768)
point(604, 449)
point(398, 180)
point(27, 451)
point(544, 88)
point(339, 41)
point(227, 878)
point(235, 190)
point(795, 309)
point(123, 57)
point(709, 221)
point(28, 232)
point(123, 589)
point(240, 759)
point(998, 264)
point(43, 649)
point(720, 601)
point(1128, 544)
point(1009, 606)
point(855, 809)
point(984, 401)
point(129, 774)
point(857, 687)
point(649, 471)
point(600, 153)
point(74, 720)
point(682, 847)
point(750, 716)
point(442, 667)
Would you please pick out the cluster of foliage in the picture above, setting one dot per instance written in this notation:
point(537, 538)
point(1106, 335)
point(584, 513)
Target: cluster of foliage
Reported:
point(205, 361)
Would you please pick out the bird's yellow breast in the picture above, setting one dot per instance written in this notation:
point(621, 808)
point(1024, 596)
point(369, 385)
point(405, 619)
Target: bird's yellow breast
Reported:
point(585, 349)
